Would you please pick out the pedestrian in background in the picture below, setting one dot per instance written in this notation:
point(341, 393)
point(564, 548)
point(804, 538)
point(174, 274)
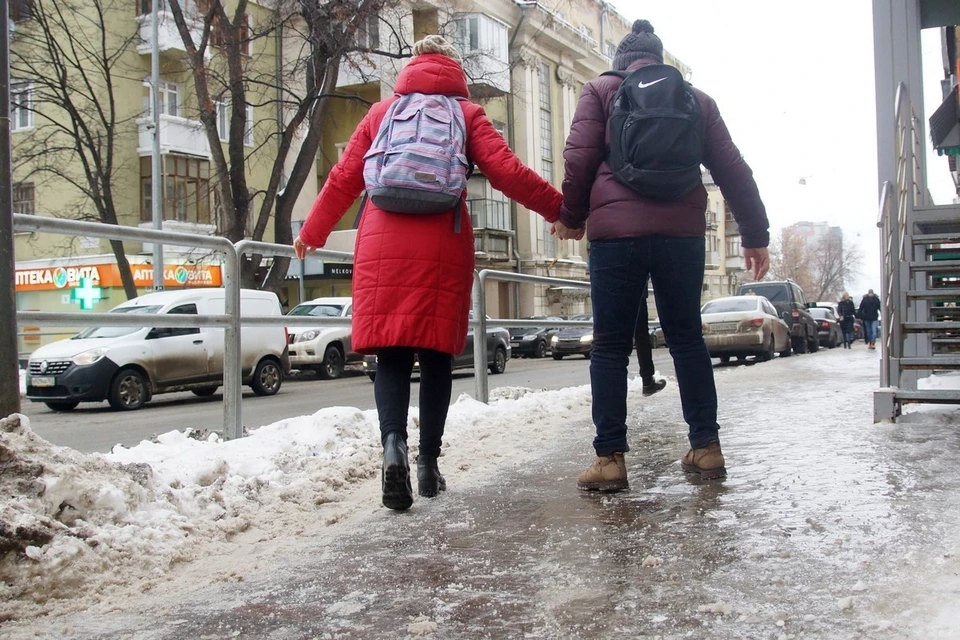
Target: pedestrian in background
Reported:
point(413, 272)
point(869, 312)
point(641, 340)
point(848, 318)
point(660, 236)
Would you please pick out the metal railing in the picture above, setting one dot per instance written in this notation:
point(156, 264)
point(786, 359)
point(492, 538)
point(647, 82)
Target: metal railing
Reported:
point(891, 340)
point(232, 320)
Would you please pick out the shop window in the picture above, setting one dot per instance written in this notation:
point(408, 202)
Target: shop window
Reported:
point(23, 198)
point(186, 189)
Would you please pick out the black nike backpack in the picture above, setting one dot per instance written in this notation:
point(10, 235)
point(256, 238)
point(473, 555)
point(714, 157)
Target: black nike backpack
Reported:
point(656, 133)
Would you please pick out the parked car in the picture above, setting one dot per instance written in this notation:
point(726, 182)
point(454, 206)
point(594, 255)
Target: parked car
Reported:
point(791, 304)
point(325, 350)
point(830, 333)
point(857, 323)
point(573, 340)
point(127, 366)
point(533, 341)
point(656, 334)
point(498, 352)
point(744, 325)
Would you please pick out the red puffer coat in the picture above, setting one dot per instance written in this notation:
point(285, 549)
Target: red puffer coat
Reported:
point(413, 274)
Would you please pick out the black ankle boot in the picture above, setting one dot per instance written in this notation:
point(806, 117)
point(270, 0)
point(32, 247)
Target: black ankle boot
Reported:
point(395, 475)
point(429, 480)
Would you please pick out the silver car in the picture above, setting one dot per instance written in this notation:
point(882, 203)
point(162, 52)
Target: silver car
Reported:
point(742, 326)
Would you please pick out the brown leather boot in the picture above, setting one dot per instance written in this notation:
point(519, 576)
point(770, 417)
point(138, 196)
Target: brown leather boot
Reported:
point(607, 473)
point(707, 461)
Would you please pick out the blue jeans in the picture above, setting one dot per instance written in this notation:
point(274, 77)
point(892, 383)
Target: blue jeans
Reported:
point(870, 330)
point(618, 274)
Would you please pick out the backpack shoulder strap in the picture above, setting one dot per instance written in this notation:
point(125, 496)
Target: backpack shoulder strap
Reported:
point(620, 74)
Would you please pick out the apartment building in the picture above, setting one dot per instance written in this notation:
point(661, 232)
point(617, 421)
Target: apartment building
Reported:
point(725, 267)
point(111, 89)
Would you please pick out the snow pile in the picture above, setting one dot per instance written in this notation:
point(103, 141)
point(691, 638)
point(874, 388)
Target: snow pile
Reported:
point(74, 523)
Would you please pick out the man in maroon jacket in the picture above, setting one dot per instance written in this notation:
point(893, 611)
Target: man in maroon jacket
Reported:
point(633, 237)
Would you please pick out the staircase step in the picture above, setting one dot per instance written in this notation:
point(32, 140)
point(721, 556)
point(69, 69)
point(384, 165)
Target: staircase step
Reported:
point(936, 238)
point(936, 266)
point(935, 362)
point(931, 327)
point(945, 312)
point(945, 293)
point(945, 340)
point(930, 396)
point(936, 219)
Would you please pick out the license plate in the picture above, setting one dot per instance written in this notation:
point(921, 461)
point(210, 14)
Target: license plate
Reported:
point(723, 327)
point(43, 381)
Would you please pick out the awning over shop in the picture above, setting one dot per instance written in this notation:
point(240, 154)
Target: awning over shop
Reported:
point(945, 125)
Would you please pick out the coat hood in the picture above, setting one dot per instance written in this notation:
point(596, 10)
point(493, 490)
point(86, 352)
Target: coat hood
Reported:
point(433, 73)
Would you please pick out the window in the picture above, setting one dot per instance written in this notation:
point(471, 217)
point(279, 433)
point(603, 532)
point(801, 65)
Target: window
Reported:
point(218, 37)
point(467, 36)
point(23, 198)
point(223, 122)
point(368, 34)
point(186, 186)
point(586, 31)
point(169, 99)
point(19, 10)
point(184, 310)
point(21, 106)
point(611, 49)
point(546, 124)
point(190, 7)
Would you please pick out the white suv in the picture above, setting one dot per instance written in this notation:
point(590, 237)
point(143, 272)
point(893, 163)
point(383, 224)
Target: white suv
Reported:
point(323, 349)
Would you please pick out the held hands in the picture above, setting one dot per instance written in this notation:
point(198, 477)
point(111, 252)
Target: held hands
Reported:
point(564, 232)
point(758, 261)
point(301, 248)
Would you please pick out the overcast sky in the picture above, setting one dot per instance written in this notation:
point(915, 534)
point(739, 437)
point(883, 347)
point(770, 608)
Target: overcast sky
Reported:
point(795, 84)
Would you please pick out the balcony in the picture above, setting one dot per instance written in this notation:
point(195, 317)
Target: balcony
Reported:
point(169, 39)
point(484, 42)
point(177, 135)
point(735, 264)
point(493, 245)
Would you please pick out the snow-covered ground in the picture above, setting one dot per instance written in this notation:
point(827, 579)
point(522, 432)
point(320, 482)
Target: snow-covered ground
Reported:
point(80, 530)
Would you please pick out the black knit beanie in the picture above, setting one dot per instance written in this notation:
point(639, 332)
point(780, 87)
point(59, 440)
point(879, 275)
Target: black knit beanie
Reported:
point(639, 43)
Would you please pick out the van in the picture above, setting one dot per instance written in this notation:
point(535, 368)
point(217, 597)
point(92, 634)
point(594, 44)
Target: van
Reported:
point(128, 365)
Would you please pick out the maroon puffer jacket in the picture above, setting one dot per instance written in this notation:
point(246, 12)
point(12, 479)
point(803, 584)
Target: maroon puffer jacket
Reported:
point(617, 211)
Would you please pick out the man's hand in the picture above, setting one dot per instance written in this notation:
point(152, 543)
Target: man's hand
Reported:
point(564, 232)
point(758, 261)
point(301, 248)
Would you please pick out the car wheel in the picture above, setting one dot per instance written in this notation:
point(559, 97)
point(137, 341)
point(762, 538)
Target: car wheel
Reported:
point(205, 392)
point(814, 344)
point(332, 366)
point(799, 345)
point(128, 391)
point(788, 351)
point(558, 356)
point(66, 405)
point(587, 355)
point(724, 359)
point(372, 376)
point(267, 378)
point(767, 355)
point(499, 361)
point(540, 350)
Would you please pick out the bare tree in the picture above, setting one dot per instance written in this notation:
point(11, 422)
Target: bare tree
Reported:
point(832, 264)
point(789, 259)
point(225, 72)
point(73, 63)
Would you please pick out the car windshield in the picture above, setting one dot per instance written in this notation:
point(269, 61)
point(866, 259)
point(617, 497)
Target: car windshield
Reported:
point(773, 293)
point(730, 304)
point(820, 313)
point(116, 332)
point(317, 310)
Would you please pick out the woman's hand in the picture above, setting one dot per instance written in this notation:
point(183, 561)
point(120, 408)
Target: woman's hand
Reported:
point(301, 248)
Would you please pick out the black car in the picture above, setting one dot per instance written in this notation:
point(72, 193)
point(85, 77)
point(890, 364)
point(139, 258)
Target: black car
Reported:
point(498, 352)
point(573, 340)
point(791, 304)
point(533, 341)
point(829, 330)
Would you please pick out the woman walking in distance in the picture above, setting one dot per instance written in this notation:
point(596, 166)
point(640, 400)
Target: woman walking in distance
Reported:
point(413, 272)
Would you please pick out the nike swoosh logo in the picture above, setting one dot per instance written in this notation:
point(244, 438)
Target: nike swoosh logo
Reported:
point(644, 85)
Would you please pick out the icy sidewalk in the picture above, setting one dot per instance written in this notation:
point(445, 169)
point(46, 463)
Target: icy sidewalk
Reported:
point(827, 527)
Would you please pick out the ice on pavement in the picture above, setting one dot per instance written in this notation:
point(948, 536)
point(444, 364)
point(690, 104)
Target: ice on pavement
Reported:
point(83, 529)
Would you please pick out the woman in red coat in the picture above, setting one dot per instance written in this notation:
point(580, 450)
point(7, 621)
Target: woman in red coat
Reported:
point(413, 273)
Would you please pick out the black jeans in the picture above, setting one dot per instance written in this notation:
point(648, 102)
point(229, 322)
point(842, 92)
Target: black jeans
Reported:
point(391, 389)
point(618, 277)
point(641, 340)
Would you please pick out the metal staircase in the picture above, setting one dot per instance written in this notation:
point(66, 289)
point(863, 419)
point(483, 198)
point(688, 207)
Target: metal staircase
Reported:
point(920, 242)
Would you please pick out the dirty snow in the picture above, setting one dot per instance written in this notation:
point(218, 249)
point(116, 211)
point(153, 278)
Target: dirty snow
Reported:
point(83, 530)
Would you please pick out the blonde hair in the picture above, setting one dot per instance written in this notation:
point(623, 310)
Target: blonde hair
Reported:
point(845, 296)
point(437, 44)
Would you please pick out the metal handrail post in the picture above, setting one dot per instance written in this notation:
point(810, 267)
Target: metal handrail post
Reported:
point(887, 310)
point(480, 338)
point(232, 375)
